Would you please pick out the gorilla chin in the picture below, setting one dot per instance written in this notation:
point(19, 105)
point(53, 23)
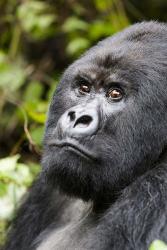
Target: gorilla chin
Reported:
point(70, 166)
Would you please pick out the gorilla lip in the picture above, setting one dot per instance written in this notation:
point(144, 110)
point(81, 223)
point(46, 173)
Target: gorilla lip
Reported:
point(75, 147)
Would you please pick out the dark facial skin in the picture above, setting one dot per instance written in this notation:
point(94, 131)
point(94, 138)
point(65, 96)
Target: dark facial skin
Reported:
point(103, 184)
point(102, 119)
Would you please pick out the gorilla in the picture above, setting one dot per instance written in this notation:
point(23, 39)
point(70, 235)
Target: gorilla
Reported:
point(103, 184)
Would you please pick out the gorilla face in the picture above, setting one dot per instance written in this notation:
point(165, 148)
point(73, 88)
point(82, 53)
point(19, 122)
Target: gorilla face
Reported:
point(107, 122)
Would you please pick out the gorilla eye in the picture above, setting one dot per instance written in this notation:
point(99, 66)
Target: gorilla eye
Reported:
point(115, 94)
point(84, 88)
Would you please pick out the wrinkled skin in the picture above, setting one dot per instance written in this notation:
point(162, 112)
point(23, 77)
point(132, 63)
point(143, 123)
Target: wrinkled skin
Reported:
point(104, 179)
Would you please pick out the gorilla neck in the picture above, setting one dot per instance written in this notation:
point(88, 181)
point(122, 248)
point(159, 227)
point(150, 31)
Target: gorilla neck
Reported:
point(104, 201)
point(162, 157)
point(108, 194)
point(101, 205)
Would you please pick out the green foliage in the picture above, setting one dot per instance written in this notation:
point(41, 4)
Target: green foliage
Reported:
point(34, 19)
point(97, 30)
point(77, 45)
point(34, 106)
point(12, 74)
point(28, 82)
point(38, 40)
point(73, 23)
point(15, 178)
point(158, 245)
point(37, 134)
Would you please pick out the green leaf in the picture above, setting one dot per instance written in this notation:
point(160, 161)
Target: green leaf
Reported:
point(45, 21)
point(158, 245)
point(36, 19)
point(12, 171)
point(15, 177)
point(12, 74)
point(10, 200)
point(51, 90)
point(34, 168)
point(37, 111)
point(37, 116)
point(3, 189)
point(73, 23)
point(77, 45)
point(8, 164)
point(100, 29)
point(33, 92)
point(103, 5)
point(37, 134)
point(2, 57)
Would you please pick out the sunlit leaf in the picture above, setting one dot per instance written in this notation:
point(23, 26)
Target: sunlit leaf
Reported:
point(33, 92)
point(3, 189)
point(9, 163)
point(37, 134)
point(51, 90)
point(73, 23)
point(103, 5)
point(13, 171)
point(15, 177)
point(158, 245)
point(78, 45)
point(100, 29)
point(34, 168)
point(36, 110)
point(38, 117)
point(8, 202)
point(12, 74)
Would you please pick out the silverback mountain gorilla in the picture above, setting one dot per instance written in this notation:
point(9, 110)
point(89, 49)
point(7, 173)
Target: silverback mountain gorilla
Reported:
point(103, 183)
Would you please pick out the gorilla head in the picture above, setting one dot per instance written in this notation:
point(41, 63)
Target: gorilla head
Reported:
point(107, 122)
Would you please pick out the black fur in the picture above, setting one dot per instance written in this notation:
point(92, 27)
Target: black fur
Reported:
point(124, 182)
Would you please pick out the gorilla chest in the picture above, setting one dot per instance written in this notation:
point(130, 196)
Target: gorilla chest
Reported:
point(70, 237)
point(72, 234)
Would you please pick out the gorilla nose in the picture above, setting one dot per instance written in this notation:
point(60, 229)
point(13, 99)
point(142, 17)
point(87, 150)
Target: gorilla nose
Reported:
point(79, 121)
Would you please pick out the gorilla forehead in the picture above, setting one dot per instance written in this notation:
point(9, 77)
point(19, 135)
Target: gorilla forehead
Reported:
point(137, 50)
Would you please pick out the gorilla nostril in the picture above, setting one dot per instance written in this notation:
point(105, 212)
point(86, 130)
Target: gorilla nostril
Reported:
point(71, 114)
point(84, 120)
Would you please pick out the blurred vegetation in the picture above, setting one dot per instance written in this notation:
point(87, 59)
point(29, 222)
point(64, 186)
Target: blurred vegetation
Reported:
point(158, 245)
point(38, 40)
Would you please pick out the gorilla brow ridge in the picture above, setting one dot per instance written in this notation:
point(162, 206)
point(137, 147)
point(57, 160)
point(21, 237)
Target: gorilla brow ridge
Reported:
point(138, 37)
point(107, 61)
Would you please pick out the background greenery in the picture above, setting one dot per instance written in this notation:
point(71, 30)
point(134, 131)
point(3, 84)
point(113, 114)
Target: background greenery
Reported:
point(38, 40)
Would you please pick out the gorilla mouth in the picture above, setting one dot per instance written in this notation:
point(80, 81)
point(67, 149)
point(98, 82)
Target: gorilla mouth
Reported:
point(74, 147)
